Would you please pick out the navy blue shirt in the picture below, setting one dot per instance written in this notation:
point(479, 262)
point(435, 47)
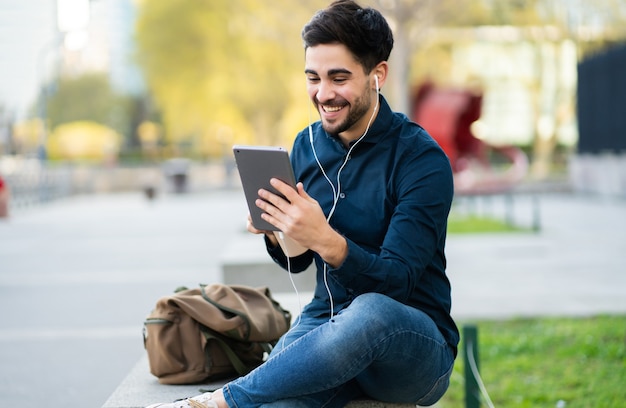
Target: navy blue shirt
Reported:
point(394, 198)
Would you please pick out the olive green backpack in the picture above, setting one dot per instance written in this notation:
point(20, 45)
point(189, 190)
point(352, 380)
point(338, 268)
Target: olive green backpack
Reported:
point(212, 332)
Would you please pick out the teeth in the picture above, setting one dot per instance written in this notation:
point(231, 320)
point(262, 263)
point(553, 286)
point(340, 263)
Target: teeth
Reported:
point(332, 108)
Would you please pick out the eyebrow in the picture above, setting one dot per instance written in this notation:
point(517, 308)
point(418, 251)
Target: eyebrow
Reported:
point(331, 72)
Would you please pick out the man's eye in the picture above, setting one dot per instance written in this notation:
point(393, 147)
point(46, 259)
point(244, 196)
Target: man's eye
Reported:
point(313, 79)
point(340, 80)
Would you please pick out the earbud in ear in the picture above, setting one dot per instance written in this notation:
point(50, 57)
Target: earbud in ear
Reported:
point(376, 79)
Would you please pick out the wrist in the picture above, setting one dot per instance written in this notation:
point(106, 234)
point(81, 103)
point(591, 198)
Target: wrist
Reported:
point(271, 240)
point(334, 249)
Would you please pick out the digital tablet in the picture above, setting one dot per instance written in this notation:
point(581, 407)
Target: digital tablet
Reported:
point(256, 166)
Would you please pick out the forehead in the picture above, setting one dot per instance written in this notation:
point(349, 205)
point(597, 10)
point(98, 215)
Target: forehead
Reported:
point(325, 58)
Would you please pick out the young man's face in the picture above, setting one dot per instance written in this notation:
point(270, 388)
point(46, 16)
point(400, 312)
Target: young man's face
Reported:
point(339, 89)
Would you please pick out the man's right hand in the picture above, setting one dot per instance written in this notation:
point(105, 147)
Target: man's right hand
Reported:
point(269, 234)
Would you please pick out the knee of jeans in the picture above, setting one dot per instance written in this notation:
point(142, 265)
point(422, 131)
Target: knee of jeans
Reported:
point(371, 309)
point(373, 303)
point(372, 300)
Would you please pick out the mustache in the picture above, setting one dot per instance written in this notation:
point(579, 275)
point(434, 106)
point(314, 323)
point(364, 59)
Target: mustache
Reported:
point(337, 102)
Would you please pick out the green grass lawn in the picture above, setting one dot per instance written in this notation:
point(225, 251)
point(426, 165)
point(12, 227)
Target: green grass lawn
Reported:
point(548, 362)
point(472, 224)
point(543, 362)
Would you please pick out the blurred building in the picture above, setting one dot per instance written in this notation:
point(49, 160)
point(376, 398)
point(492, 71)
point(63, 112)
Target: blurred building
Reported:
point(535, 91)
point(109, 46)
point(599, 165)
point(33, 52)
point(527, 77)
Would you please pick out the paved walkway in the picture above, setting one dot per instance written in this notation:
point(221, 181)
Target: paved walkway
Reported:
point(576, 264)
point(78, 277)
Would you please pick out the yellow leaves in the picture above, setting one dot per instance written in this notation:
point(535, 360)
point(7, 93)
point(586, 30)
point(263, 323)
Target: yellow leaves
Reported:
point(83, 140)
point(223, 65)
point(27, 134)
point(227, 129)
point(148, 133)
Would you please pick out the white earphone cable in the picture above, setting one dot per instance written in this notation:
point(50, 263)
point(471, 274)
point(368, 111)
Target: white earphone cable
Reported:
point(337, 191)
point(281, 236)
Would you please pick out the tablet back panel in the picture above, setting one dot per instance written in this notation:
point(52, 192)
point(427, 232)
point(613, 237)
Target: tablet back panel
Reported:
point(256, 166)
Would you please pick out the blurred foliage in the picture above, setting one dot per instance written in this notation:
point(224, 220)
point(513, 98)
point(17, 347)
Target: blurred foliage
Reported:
point(84, 140)
point(231, 72)
point(26, 135)
point(225, 72)
point(220, 73)
point(89, 97)
point(595, 25)
point(496, 12)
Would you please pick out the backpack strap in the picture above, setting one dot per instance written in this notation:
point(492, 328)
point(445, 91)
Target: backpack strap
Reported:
point(227, 311)
point(239, 365)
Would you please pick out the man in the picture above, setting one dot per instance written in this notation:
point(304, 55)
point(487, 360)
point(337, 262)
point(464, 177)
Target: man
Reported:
point(371, 209)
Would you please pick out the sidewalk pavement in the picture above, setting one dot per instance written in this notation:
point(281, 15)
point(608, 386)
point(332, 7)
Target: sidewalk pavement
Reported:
point(575, 265)
point(77, 278)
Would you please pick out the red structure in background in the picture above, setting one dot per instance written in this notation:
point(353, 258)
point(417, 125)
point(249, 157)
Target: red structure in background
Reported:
point(448, 114)
point(4, 199)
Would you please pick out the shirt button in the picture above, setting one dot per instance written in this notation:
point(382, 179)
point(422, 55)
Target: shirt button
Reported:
point(342, 195)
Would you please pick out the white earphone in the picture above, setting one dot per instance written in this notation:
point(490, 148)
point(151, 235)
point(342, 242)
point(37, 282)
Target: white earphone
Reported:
point(376, 78)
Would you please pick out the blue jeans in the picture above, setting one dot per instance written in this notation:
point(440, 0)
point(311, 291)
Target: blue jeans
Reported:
point(376, 347)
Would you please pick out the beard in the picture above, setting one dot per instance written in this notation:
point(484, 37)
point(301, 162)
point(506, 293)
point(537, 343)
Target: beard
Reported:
point(356, 111)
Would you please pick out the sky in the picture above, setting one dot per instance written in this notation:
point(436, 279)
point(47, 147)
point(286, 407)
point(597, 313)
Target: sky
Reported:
point(26, 30)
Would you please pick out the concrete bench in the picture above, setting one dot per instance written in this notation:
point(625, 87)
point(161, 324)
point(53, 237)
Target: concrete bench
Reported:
point(140, 389)
point(246, 262)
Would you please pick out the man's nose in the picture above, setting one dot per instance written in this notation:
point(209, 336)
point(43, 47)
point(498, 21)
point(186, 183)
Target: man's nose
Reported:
point(325, 91)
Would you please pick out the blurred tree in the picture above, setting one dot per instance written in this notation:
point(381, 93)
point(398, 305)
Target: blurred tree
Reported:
point(7, 121)
point(514, 12)
point(84, 140)
point(89, 97)
point(413, 22)
point(459, 13)
point(231, 72)
point(223, 72)
point(26, 135)
point(410, 21)
point(175, 40)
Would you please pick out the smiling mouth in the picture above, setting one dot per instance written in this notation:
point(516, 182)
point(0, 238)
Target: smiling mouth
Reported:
point(331, 108)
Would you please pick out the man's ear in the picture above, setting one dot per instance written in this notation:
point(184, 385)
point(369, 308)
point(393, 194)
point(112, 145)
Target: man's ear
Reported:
point(380, 71)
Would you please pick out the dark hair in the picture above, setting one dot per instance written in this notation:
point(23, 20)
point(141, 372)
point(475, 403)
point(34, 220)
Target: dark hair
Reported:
point(364, 31)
